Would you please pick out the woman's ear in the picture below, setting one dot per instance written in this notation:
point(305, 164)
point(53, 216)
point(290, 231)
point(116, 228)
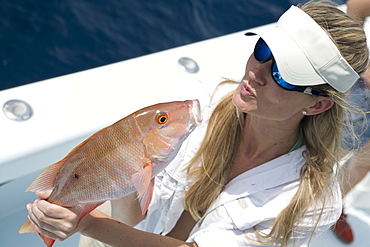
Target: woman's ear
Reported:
point(321, 104)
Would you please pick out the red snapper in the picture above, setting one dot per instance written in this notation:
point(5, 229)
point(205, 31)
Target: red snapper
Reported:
point(119, 160)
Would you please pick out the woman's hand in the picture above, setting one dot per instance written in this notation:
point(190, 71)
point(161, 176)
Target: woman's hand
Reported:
point(51, 220)
point(366, 77)
point(59, 223)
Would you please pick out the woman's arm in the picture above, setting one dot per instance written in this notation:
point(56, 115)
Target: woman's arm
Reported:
point(60, 223)
point(105, 229)
point(358, 9)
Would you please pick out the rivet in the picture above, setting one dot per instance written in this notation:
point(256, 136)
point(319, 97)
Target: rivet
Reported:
point(17, 110)
point(189, 65)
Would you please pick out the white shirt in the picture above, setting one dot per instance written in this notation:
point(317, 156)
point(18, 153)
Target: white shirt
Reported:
point(252, 199)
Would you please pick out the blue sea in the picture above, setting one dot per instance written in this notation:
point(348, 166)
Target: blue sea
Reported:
point(45, 39)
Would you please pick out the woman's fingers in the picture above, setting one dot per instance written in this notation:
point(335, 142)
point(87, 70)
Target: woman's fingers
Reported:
point(54, 234)
point(52, 220)
point(41, 224)
point(54, 211)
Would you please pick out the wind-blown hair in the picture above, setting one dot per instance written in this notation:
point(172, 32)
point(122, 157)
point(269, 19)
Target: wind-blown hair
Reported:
point(322, 137)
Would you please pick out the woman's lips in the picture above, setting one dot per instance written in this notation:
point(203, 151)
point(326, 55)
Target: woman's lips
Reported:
point(247, 91)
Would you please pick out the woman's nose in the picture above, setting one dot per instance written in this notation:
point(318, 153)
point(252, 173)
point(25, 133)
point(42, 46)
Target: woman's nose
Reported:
point(260, 73)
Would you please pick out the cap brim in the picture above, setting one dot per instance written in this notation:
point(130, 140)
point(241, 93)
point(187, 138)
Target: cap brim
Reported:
point(304, 53)
point(292, 63)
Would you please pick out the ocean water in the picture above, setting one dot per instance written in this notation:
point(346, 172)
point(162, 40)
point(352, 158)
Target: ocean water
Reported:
point(45, 39)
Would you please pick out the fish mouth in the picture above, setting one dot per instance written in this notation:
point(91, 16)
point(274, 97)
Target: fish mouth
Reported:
point(195, 112)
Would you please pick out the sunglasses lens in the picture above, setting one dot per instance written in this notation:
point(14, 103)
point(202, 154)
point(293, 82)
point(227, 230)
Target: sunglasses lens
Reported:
point(278, 79)
point(261, 51)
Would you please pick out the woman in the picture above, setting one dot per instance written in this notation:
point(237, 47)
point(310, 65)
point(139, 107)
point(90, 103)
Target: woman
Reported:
point(263, 173)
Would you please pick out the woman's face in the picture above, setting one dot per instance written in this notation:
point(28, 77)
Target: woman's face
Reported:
point(259, 95)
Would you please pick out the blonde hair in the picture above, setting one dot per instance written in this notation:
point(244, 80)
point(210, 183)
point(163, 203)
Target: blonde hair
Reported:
point(322, 137)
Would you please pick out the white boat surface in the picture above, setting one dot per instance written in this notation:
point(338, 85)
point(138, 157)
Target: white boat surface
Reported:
point(68, 109)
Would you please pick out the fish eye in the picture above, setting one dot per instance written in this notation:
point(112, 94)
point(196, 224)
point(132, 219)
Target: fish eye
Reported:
point(161, 118)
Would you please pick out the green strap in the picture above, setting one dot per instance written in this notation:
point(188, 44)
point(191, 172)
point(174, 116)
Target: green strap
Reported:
point(298, 143)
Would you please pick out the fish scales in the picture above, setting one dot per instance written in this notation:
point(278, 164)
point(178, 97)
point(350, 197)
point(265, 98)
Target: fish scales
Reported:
point(87, 172)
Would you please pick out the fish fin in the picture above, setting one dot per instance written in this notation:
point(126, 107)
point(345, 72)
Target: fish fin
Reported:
point(142, 181)
point(45, 181)
point(87, 208)
point(27, 227)
point(146, 198)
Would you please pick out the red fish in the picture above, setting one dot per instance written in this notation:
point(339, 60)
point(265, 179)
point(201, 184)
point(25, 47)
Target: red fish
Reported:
point(118, 160)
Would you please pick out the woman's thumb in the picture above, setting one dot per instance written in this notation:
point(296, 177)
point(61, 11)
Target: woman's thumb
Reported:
point(43, 195)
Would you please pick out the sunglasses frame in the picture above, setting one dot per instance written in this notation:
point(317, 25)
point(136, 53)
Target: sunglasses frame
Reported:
point(278, 78)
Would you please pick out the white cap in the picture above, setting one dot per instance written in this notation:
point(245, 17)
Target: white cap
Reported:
point(304, 53)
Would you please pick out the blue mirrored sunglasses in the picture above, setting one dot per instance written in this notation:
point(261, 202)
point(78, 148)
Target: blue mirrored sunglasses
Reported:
point(262, 53)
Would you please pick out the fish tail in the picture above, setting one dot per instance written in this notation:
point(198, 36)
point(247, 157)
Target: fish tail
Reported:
point(48, 241)
point(27, 227)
